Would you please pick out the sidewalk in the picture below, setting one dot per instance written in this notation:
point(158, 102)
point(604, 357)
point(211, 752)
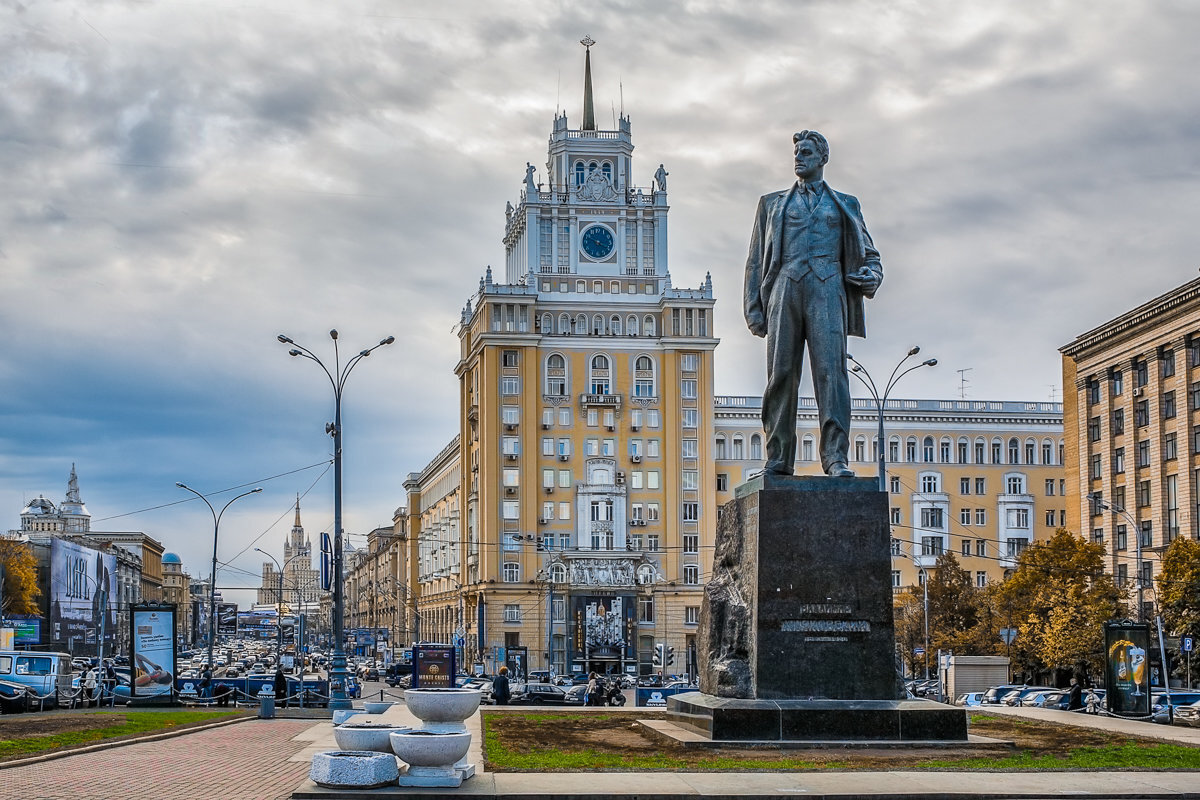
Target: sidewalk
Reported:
point(1150, 730)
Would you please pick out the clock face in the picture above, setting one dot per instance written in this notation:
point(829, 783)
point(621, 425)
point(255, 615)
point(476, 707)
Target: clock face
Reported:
point(597, 242)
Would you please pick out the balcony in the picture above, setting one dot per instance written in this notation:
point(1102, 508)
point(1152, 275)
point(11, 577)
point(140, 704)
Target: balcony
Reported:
point(600, 400)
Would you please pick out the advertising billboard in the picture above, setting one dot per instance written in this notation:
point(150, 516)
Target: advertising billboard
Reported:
point(433, 667)
point(83, 591)
point(264, 624)
point(152, 637)
point(604, 627)
point(1127, 668)
point(227, 620)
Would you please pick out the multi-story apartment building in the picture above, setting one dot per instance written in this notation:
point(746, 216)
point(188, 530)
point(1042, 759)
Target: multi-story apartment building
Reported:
point(981, 478)
point(1132, 424)
point(177, 591)
point(374, 583)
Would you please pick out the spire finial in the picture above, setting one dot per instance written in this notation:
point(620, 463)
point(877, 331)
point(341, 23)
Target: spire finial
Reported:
point(73, 487)
point(297, 511)
point(589, 111)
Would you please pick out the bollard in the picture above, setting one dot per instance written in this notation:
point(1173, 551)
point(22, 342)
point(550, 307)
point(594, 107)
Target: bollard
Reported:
point(266, 708)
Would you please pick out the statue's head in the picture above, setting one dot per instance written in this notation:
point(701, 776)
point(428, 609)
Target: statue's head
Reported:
point(818, 141)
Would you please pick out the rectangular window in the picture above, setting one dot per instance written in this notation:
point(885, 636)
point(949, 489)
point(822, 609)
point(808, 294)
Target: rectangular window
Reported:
point(687, 388)
point(512, 509)
point(894, 482)
point(652, 513)
point(691, 574)
point(608, 447)
point(564, 447)
point(1094, 472)
point(691, 543)
point(1050, 519)
point(691, 513)
point(593, 417)
point(1098, 535)
point(1118, 460)
point(932, 545)
point(691, 615)
point(964, 516)
point(591, 447)
point(964, 485)
point(1141, 413)
point(896, 549)
point(1118, 382)
point(510, 445)
point(1118, 423)
point(1170, 447)
point(1049, 487)
point(564, 479)
point(1168, 405)
point(691, 479)
point(980, 579)
point(981, 548)
point(981, 486)
point(1166, 359)
point(981, 516)
point(1143, 453)
point(564, 511)
point(652, 481)
point(652, 448)
point(652, 418)
point(1093, 391)
point(931, 484)
point(564, 416)
point(722, 482)
point(1094, 429)
point(646, 609)
point(547, 446)
point(1143, 494)
point(933, 518)
point(691, 417)
point(635, 479)
point(1016, 484)
point(895, 579)
point(512, 612)
point(1141, 374)
point(512, 477)
point(1122, 538)
point(548, 510)
point(688, 362)
point(510, 385)
point(510, 358)
point(966, 547)
point(1018, 518)
point(895, 515)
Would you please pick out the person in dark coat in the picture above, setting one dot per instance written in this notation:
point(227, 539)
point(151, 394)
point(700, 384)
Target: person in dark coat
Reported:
point(206, 684)
point(281, 688)
point(1075, 701)
point(500, 690)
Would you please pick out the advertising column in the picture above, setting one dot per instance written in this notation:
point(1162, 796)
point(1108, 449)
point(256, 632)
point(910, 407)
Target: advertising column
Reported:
point(152, 651)
point(1127, 671)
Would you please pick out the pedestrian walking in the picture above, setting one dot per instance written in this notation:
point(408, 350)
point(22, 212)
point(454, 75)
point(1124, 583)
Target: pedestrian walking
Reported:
point(1075, 702)
point(500, 690)
point(1093, 702)
point(88, 688)
point(206, 684)
point(592, 694)
point(281, 687)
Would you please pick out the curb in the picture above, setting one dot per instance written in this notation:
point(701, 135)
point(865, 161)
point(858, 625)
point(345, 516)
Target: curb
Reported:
point(92, 748)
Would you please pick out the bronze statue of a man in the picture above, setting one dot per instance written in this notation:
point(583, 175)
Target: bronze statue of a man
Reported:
point(811, 263)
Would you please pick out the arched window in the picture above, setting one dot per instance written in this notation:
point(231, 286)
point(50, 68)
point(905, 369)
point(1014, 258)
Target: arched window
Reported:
point(944, 448)
point(598, 380)
point(927, 449)
point(980, 451)
point(511, 572)
point(964, 450)
point(648, 325)
point(645, 575)
point(894, 449)
point(997, 453)
point(643, 377)
point(719, 448)
point(547, 324)
point(738, 447)
point(607, 170)
point(597, 325)
point(558, 573)
point(592, 167)
point(860, 448)
point(806, 449)
point(564, 323)
point(756, 448)
point(614, 325)
point(631, 325)
point(1030, 452)
point(580, 175)
point(1047, 451)
point(581, 324)
point(1014, 451)
point(556, 375)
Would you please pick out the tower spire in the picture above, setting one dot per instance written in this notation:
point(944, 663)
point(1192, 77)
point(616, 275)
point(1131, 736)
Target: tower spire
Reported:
point(589, 111)
point(297, 525)
point(73, 487)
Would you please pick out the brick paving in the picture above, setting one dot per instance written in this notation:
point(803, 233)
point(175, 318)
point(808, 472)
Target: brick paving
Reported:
point(247, 760)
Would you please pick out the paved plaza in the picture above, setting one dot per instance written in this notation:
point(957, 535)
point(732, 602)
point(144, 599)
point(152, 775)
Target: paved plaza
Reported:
point(269, 760)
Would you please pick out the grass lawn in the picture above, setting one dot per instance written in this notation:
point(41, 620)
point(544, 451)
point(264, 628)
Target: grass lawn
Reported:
point(24, 735)
point(574, 742)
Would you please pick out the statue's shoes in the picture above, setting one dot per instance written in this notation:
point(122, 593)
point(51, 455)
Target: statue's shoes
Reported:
point(838, 469)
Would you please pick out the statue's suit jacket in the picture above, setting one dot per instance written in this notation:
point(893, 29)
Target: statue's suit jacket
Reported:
point(766, 253)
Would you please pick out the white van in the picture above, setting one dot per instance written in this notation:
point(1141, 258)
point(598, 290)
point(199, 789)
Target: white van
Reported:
point(48, 674)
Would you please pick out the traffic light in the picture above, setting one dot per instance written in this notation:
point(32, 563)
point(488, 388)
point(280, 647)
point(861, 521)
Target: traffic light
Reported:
point(670, 655)
point(658, 656)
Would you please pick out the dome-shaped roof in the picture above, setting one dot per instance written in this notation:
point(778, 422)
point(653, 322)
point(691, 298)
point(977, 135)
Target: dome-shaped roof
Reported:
point(171, 558)
point(41, 507)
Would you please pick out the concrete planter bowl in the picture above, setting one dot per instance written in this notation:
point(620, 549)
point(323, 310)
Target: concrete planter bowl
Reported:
point(353, 770)
point(366, 736)
point(442, 705)
point(378, 707)
point(430, 757)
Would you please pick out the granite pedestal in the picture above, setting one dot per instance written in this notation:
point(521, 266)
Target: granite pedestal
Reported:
point(796, 632)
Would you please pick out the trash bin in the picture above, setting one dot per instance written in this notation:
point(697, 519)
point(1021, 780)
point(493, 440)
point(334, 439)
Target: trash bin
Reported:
point(266, 699)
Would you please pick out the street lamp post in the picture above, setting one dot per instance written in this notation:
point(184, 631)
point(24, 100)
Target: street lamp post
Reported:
point(880, 398)
point(337, 379)
point(279, 606)
point(1137, 533)
point(212, 590)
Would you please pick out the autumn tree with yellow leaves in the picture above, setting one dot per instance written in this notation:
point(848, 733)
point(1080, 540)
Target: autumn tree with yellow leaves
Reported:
point(18, 566)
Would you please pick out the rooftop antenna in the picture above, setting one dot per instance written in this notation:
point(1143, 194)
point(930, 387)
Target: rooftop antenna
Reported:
point(963, 383)
point(1054, 393)
point(621, 87)
point(614, 113)
point(558, 94)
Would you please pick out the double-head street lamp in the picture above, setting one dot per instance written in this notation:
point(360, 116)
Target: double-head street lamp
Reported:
point(1100, 502)
point(212, 590)
point(279, 607)
point(880, 397)
point(337, 379)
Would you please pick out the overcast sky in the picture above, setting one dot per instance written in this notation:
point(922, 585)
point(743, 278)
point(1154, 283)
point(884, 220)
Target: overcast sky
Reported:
point(182, 181)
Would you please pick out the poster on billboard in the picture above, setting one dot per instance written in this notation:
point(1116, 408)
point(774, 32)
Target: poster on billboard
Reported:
point(433, 667)
point(227, 620)
point(1127, 668)
point(603, 627)
point(152, 634)
point(83, 588)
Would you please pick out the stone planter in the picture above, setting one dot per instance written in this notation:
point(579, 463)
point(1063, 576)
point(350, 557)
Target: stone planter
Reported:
point(431, 757)
point(437, 707)
point(371, 736)
point(378, 707)
point(353, 770)
point(341, 715)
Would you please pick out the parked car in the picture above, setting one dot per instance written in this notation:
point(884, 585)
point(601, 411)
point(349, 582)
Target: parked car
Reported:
point(538, 676)
point(993, 695)
point(1059, 698)
point(1158, 704)
point(48, 674)
point(969, 699)
point(16, 698)
point(1188, 715)
point(539, 694)
point(1015, 697)
point(575, 695)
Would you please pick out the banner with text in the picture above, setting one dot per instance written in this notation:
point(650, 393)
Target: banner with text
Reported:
point(153, 650)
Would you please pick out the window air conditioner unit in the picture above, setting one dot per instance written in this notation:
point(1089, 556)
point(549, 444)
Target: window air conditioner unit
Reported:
point(511, 456)
point(635, 428)
point(635, 458)
point(510, 490)
point(611, 427)
point(620, 477)
point(563, 456)
point(545, 426)
point(510, 426)
point(549, 489)
point(543, 521)
point(1138, 391)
